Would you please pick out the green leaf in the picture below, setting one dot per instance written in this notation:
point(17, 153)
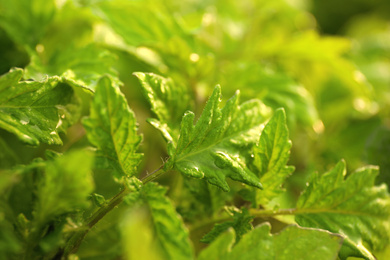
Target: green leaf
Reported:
point(35, 111)
point(26, 20)
point(8, 157)
point(80, 67)
point(138, 23)
point(169, 227)
point(168, 101)
point(291, 243)
point(205, 197)
point(65, 186)
point(10, 245)
point(275, 89)
point(111, 128)
point(353, 207)
point(271, 156)
point(220, 248)
point(144, 244)
point(241, 224)
point(214, 148)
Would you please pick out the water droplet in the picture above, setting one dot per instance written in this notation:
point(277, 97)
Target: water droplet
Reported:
point(27, 137)
point(59, 123)
point(24, 120)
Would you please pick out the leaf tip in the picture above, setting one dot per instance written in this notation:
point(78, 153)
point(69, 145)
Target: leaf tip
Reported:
point(140, 75)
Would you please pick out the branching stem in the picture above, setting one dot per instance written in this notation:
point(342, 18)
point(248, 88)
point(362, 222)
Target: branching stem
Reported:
point(76, 239)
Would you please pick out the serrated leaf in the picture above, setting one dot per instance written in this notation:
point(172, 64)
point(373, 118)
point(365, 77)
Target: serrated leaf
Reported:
point(65, 186)
point(213, 148)
point(169, 227)
point(241, 224)
point(271, 156)
point(168, 101)
point(35, 111)
point(205, 197)
point(291, 243)
point(353, 207)
point(111, 128)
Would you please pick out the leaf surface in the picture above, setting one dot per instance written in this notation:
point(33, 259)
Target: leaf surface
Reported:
point(241, 224)
point(292, 242)
point(168, 225)
point(65, 186)
point(168, 101)
point(214, 148)
point(82, 66)
point(271, 156)
point(35, 111)
point(353, 207)
point(111, 128)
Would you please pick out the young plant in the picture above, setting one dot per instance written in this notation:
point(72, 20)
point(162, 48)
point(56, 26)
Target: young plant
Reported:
point(46, 210)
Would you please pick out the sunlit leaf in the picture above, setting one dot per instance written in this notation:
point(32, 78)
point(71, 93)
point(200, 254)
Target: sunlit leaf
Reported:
point(271, 156)
point(353, 207)
point(35, 111)
point(168, 101)
point(169, 228)
point(111, 127)
point(212, 149)
point(292, 242)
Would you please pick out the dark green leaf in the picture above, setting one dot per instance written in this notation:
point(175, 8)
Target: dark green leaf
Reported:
point(213, 149)
point(271, 156)
point(353, 207)
point(9, 242)
point(111, 127)
point(35, 111)
point(65, 186)
point(241, 224)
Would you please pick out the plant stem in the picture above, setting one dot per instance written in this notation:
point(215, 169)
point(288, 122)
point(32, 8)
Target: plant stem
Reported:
point(153, 175)
point(76, 239)
point(257, 213)
point(264, 213)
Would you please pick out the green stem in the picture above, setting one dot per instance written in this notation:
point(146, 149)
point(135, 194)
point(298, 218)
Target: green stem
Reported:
point(264, 213)
point(257, 213)
point(76, 239)
point(154, 175)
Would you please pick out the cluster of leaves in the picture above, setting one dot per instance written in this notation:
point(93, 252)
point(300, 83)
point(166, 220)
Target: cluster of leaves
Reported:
point(69, 138)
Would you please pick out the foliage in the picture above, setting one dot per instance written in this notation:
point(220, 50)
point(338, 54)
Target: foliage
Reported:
point(82, 176)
